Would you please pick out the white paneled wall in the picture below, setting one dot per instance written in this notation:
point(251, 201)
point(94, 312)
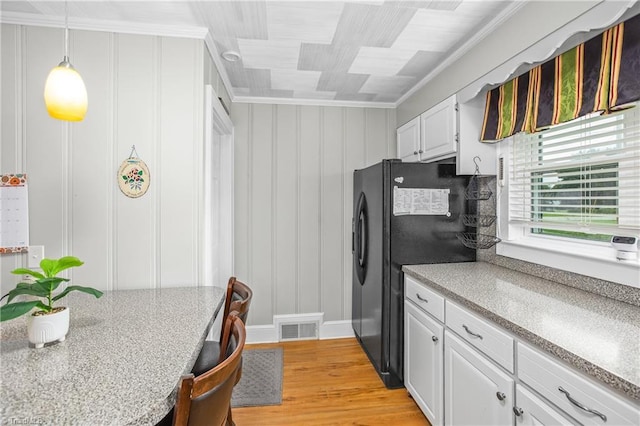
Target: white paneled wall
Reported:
point(143, 90)
point(293, 202)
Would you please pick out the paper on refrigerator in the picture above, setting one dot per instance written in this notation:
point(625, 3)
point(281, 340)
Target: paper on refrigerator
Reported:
point(420, 201)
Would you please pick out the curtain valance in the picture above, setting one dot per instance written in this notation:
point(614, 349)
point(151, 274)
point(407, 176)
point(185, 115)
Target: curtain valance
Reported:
point(602, 74)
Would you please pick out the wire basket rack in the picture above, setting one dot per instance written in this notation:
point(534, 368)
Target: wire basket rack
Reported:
point(478, 220)
point(477, 190)
point(477, 241)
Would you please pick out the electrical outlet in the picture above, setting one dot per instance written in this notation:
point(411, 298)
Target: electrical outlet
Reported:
point(36, 254)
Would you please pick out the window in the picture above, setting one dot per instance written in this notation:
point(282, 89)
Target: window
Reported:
point(580, 179)
point(575, 183)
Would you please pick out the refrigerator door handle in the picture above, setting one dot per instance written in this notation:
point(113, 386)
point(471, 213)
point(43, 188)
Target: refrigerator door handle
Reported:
point(361, 239)
point(362, 258)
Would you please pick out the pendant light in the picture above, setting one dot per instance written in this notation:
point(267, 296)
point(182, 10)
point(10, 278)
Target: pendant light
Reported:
point(64, 92)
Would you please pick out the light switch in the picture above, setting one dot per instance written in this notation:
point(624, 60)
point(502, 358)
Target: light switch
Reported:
point(36, 254)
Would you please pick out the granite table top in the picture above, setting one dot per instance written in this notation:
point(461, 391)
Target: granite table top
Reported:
point(597, 335)
point(119, 365)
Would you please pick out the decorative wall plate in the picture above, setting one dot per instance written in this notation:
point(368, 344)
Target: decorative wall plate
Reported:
point(133, 177)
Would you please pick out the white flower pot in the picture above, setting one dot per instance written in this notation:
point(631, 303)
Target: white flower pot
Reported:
point(48, 328)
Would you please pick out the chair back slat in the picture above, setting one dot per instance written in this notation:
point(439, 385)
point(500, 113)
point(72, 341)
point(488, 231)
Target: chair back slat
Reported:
point(205, 400)
point(238, 299)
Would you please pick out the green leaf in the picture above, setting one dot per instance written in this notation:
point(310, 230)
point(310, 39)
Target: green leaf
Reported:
point(25, 271)
point(140, 173)
point(51, 267)
point(88, 290)
point(49, 284)
point(31, 291)
point(125, 178)
point(14, 310)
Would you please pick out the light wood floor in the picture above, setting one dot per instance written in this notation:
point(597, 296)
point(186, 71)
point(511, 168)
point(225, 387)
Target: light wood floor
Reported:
point(331, 382)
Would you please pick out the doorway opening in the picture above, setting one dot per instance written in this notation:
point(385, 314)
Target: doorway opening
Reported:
point(218, 193)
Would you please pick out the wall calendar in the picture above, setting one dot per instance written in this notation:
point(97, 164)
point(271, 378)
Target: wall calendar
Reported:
point(14, 213)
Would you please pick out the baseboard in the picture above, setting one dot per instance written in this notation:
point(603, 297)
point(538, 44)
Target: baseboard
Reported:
point(336, 330)
point(262, 334)
point(328, 330)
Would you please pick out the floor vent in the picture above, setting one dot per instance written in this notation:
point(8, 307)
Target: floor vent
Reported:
point(299, 331)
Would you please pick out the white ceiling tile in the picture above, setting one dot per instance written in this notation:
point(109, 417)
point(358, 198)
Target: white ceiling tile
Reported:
point(314, 95)
point(273, 54)
point(295, 80)
point(431, 30)
point(307, 22)
point(354, 50)
point(380, 61)
point(387, 85)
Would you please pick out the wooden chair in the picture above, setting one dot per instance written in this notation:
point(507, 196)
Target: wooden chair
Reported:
point(206, 400)
point(238, 299)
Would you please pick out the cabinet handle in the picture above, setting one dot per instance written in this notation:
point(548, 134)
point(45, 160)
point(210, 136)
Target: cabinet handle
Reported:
point(421, 151)
point(518, 411)
point(582, 406)
point(501, 396)
point(435, 339)
point(420, 298)
point(471, 332)
point(415, 152)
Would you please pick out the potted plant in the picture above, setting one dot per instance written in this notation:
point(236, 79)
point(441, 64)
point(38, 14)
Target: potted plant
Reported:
point(47, 323)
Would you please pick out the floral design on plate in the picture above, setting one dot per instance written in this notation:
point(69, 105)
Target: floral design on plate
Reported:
point(133, 177)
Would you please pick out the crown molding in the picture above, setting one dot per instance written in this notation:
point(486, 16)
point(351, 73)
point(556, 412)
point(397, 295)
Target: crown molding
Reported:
point(312, 102)
point(506, 13)
point(18, 18)
point(217, 60)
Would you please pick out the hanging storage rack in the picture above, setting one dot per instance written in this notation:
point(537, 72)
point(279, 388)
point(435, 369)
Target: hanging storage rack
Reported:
point(478, 190)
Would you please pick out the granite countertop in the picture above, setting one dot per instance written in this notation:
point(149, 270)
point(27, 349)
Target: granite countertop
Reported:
point(597, 335)
point(120, 364)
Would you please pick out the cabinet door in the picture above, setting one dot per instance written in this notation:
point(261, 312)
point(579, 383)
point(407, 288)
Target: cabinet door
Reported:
point(423, 361)
point(476, 391)
point(438, 130)
point(408, 140)
point(533, 411)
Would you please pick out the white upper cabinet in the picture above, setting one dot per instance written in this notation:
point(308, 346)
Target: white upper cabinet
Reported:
point(439, 130)
point(408, 139)
point(470, 118)
point(446, 130)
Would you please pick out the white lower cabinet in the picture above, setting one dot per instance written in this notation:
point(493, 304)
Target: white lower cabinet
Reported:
point(462, 369)
point(476, 392)
point(590, 404)
point(533, 411)
point(423, 361)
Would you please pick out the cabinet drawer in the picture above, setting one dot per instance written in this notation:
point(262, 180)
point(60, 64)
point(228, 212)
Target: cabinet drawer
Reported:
point(481, 334)
point(547, 376)
point(426, 299)
point(533, 411)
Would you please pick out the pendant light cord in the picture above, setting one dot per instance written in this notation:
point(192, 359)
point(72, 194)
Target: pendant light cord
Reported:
point(66, 31)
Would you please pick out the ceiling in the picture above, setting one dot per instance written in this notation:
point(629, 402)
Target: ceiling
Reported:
point(325, 52)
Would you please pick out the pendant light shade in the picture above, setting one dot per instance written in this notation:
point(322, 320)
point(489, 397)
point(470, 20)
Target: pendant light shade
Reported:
point(64, 92)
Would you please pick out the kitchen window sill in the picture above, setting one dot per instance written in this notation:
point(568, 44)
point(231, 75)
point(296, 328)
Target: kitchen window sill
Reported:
point(594, 261)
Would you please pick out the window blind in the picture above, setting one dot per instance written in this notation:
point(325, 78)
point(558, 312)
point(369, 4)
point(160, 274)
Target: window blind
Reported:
point(580, 177)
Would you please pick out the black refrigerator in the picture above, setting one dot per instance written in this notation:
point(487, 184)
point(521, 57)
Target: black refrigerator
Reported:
point(403, 214)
